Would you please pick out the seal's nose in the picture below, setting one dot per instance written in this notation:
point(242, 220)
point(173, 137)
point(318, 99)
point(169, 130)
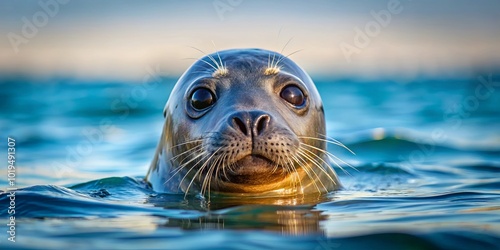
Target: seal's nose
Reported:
point(252, 123)
point(260, 124)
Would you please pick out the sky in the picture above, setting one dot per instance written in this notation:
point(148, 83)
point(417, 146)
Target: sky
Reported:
point(125, 39)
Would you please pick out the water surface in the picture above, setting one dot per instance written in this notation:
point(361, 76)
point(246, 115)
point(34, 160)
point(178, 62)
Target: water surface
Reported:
point(426, 171)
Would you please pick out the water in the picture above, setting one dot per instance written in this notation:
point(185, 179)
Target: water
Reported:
point(427, 171)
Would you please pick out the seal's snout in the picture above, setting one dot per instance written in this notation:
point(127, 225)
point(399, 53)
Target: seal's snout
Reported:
point(255, 133)
point(253, 123)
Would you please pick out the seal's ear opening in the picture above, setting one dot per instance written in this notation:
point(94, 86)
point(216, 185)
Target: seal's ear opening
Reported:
point(164, 113)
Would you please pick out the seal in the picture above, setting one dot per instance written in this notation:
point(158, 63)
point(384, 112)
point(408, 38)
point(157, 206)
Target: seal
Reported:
point(243, 121)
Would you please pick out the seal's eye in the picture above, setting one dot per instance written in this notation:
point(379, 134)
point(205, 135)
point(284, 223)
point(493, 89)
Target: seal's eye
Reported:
point(293, 95)
point(202, 98)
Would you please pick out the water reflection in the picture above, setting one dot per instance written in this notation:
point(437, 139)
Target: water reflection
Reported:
point(288, 216)
point(287, 221)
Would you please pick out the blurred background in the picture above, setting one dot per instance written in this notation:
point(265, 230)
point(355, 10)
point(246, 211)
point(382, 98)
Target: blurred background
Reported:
point(118, 39)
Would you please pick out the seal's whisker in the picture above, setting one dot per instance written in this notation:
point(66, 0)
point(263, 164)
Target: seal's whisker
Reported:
point(195, 154)
point(339, 143)
point(309, 155)
point(205, 155)
point(221, 165)
point(269, 60)
point(213, 168)
point(202, 60)
point(275, 167)
point(306, 170)
point(207, 181)
point(218, 163)
point(192, 180)
point(233, 166)
point(192, 152)
point(279, 164)
point(287, 169)
point(209, 56)
point(286, 44)
point(273, 65)
point(295, 159)
point(287, 56)
point(281, 53)
point(297, 177)
point(326, 164)
point(329, 140)
point(175, 171)
point(200, 170)
point(224, 166)
point(186, 142)
point(198, 154)
point(269, 63)
point(186, 155)
point(291, 171)
point(296, 174)
point(317, 165)
point(222, 67)
point(333, 158)
point(271, 68)
point(310, 168)
point(185, 152)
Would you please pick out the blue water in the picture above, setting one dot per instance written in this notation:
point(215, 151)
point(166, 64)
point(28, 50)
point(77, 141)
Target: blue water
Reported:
point(425, 176)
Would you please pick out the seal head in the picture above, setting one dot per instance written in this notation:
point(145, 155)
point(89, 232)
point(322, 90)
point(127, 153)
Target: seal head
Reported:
point(246, 121)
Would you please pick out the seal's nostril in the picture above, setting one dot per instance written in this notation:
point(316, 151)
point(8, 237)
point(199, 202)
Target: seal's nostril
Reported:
point(241, 125)
point(261, 124)
point(253, 123)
